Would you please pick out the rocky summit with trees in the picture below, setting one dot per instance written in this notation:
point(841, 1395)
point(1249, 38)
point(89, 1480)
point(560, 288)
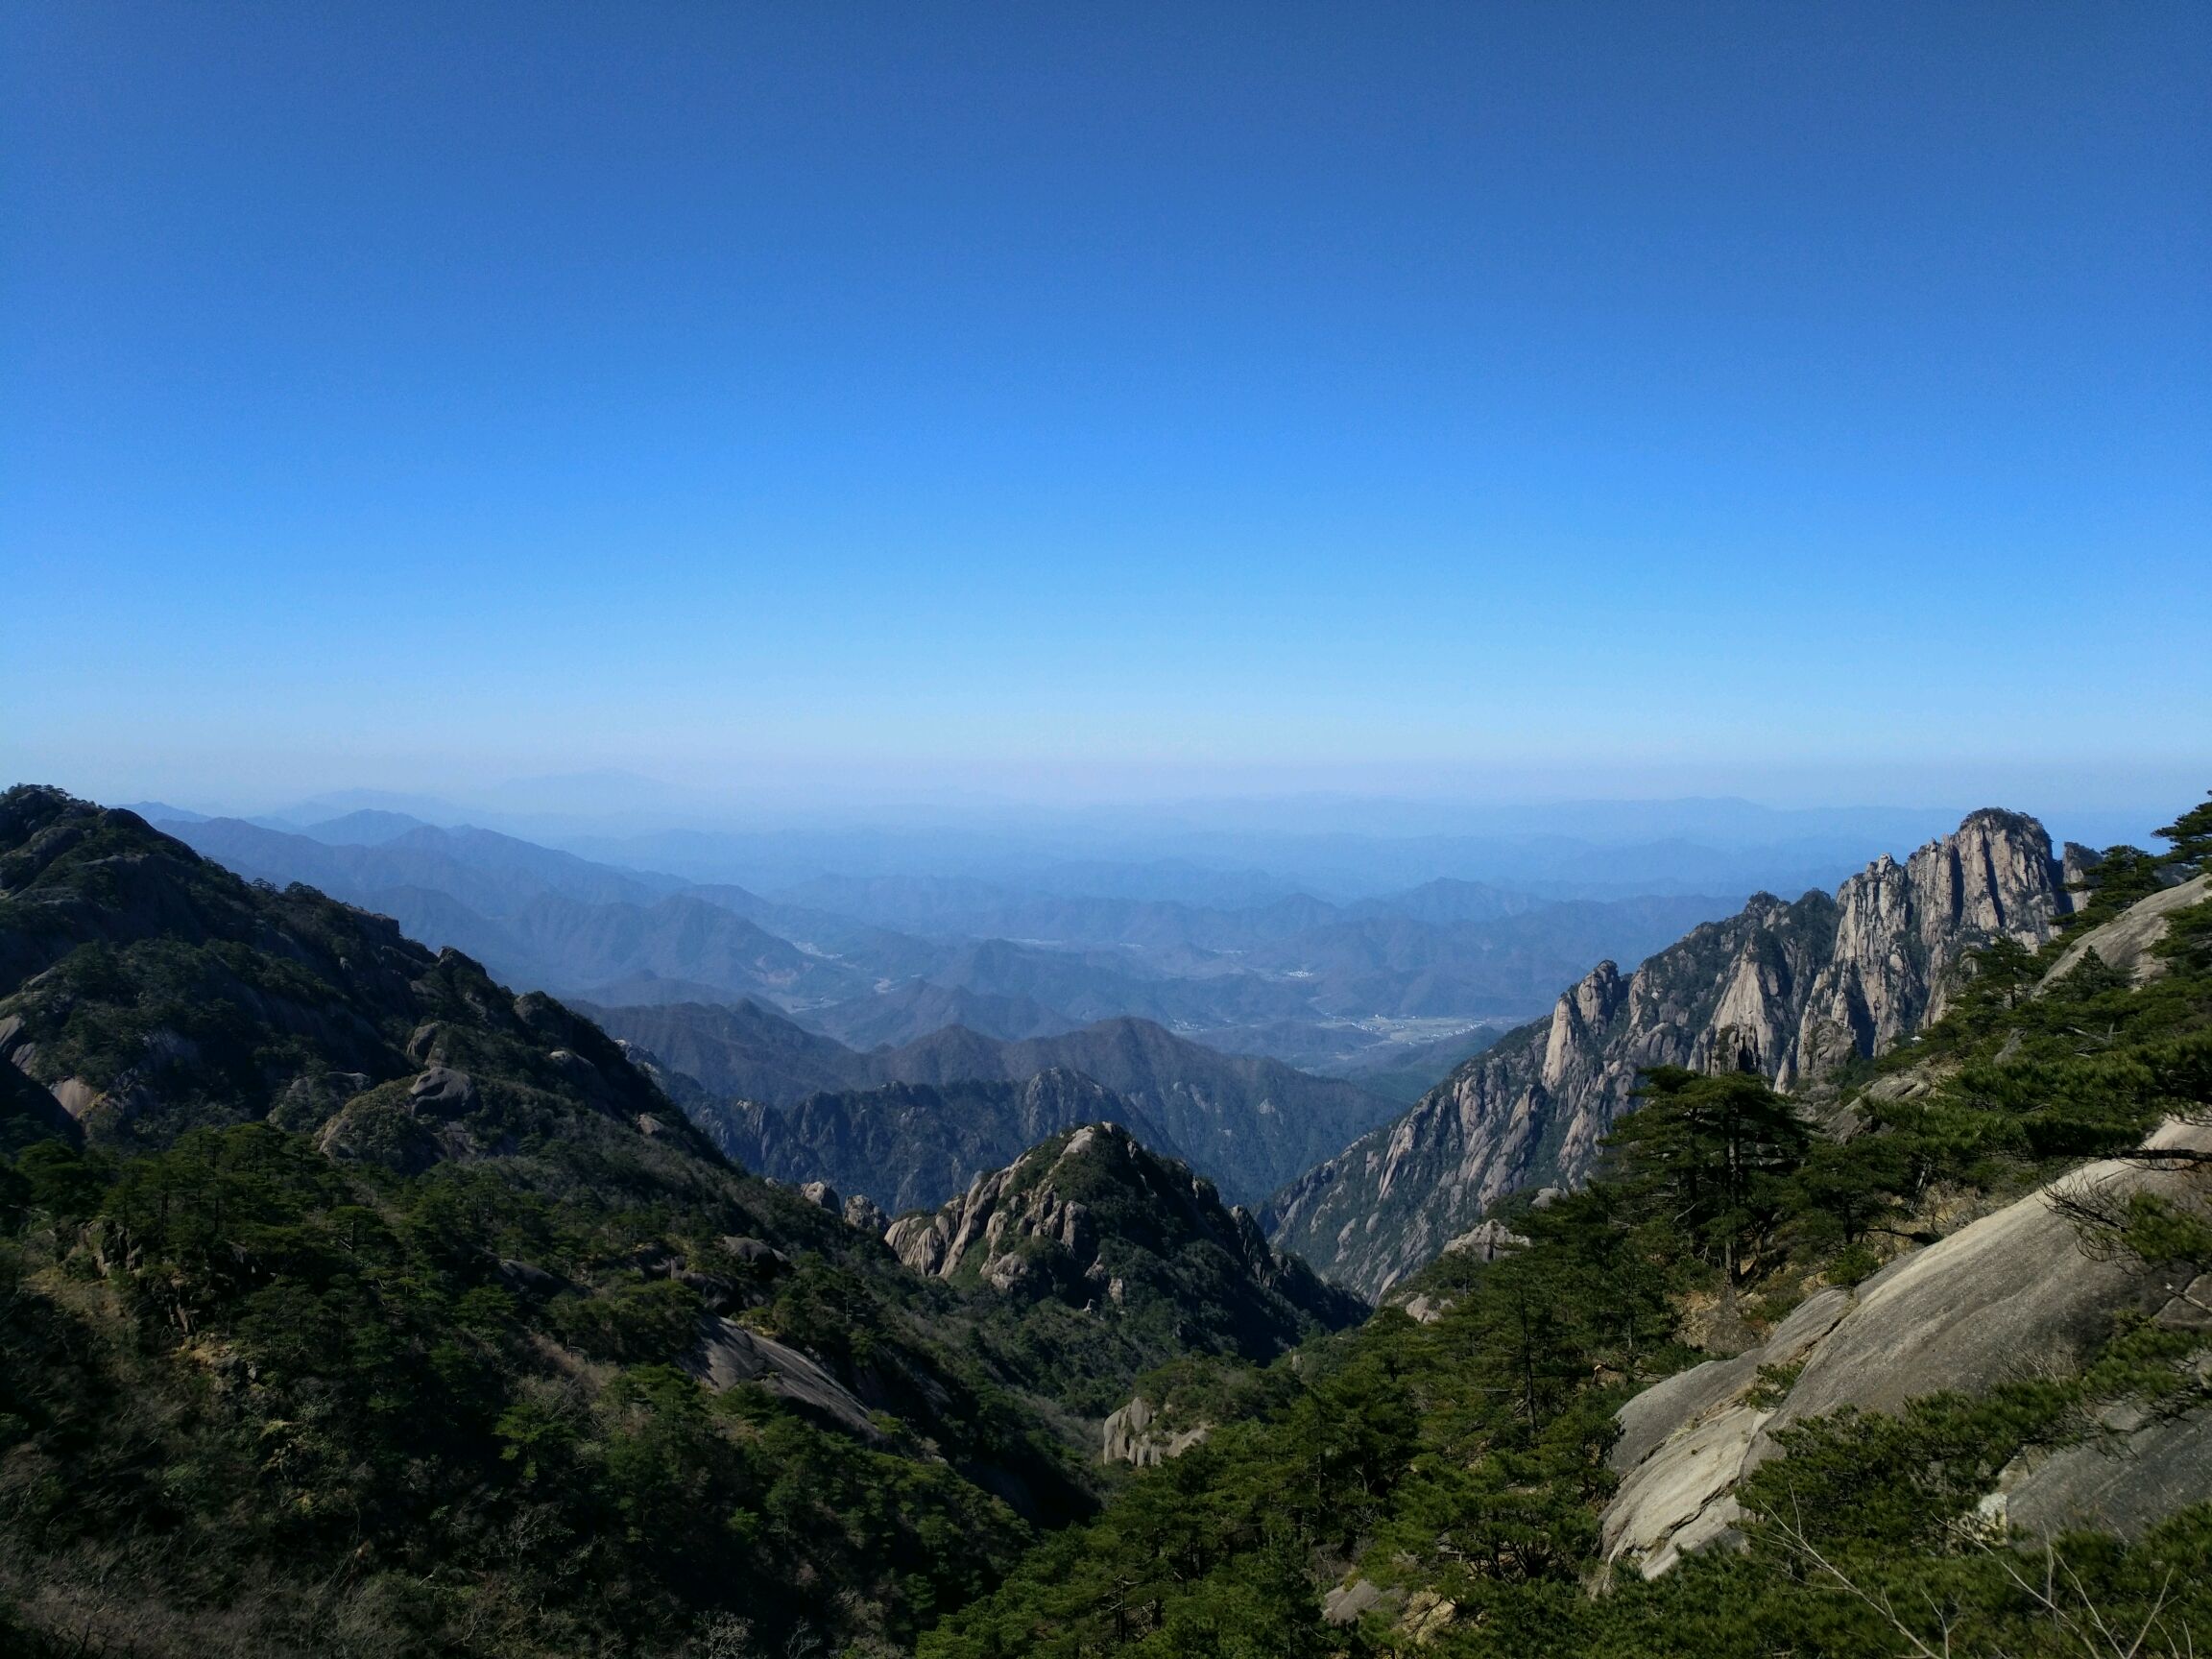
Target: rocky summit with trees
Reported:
point(351, 1302)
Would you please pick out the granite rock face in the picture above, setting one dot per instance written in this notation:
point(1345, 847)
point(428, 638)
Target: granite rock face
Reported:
point(1094, 1220)
point(726, 1354)
point(2124, 943)
point(1132, 1435)
point(2014, 1294)
point(1902, 929)
point(1782, 989)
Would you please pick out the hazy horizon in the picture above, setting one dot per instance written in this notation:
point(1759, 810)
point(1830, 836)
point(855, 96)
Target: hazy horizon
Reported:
point(1336, 844)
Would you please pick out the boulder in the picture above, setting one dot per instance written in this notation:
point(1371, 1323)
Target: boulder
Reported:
point(440, 1092)
point(862, 1212)
point(1428, 1310)
point(756, 1251)
point(1129, 1436)
point(369, 1130)
point(727, 1354)
point(1344, 1604)
point(1487, 1240)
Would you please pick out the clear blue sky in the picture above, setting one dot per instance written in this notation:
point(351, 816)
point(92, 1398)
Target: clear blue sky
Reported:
point(1673, 396)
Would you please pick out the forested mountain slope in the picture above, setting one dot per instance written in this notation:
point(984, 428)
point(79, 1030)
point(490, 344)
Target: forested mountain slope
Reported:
point(350, 1304)
point(1783, 990)
point(1906, 1376)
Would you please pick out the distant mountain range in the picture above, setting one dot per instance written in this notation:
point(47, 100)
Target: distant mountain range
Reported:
point(820, 1110)
point(1391, 988)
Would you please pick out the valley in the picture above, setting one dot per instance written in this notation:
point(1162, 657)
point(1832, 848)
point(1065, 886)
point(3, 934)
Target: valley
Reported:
point(921, 1347)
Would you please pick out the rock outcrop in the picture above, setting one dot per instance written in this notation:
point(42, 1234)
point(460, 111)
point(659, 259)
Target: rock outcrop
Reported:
point(2124, 943)
point(727, 1354)
point(1093, 1219)
point(1783, 989)
point(2011, 1295)
point(1132, 1435)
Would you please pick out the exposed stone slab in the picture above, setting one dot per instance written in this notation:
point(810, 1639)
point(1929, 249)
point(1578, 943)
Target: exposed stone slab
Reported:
point(727, 1354)
point(2014, 1294)
point(2123, 1486)
point(2124, 943)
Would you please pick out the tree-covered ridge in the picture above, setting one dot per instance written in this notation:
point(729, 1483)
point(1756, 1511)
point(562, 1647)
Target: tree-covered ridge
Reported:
point(324, 1411)
point(1436, 1483)
point(153, 992)
point(370, 1309)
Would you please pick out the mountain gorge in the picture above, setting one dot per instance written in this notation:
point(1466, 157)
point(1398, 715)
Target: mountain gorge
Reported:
point(1784, 990)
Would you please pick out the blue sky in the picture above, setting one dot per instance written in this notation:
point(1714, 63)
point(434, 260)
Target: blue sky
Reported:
point(1813, 401)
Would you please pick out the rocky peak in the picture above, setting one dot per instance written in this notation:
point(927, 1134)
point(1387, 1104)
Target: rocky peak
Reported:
point(1902, 930)
point(1135, 1434)
point(1581, 1011)
point(1031, 1199)
point(1094, 1218)
point(1785, 989)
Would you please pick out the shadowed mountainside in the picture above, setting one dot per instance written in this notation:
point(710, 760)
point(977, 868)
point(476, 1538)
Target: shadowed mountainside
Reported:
point(1248, 1122)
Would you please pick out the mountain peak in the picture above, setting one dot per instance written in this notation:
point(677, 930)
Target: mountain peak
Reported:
point(1093, 1219)
point(1785, 989)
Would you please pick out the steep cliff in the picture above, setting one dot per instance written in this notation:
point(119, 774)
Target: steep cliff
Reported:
point(1786, 989)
